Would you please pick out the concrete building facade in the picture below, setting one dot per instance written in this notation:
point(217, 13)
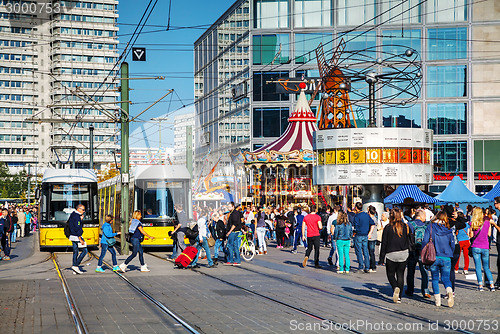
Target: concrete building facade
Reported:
point(181, 122)
point(54, 60)
point(257, 41)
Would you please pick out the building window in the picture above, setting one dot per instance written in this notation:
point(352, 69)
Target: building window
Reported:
point(446, 81)
point(397, 11)
point(450, 156)
point(486, 157)
point(446, 11)
point(269, 48)
point(357, 42)
point(447, 43)
point(447, 118)
point(263, 91)
point(270, 14)
point(312, 13)
point(355, 12)
point(269, 122)
point(306, 44)
point(398, 117)
point(393, 40)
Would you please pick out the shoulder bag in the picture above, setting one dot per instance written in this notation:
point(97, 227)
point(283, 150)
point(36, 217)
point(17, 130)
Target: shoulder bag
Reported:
point(111, 241)
point(428, 254)
point(473, 239)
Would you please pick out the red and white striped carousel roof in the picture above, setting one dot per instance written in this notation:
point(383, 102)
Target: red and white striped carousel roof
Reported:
point(298, 134)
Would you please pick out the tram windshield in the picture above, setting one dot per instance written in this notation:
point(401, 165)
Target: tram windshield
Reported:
point(160, 198)
point(64, 199)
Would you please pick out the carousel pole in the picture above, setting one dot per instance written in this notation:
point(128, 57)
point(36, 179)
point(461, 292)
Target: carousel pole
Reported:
point(276, 197)
point(265, 194)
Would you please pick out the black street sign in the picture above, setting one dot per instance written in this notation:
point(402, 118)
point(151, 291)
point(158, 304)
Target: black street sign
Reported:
point(139, 54)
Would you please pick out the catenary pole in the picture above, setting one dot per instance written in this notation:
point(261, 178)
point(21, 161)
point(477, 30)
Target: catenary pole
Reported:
point(125, 202)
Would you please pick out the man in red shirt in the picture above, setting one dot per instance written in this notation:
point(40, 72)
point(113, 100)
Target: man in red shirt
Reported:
point(313, 223)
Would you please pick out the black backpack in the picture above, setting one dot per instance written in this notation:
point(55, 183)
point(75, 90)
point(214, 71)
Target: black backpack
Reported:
point(67, 231)
point(192, 233)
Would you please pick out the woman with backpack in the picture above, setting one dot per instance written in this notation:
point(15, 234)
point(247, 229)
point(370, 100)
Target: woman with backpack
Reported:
point(479, 233)
point(107, 243)
point(440, 233)
point(342, 236)
point(136, 238)
point(280, 228)
point(395, 250)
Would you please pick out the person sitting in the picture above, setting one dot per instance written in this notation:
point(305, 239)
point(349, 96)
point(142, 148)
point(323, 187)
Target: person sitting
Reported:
point(149, 214)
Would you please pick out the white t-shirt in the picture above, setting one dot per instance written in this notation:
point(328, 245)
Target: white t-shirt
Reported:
point(428, 215)
point(331, 219)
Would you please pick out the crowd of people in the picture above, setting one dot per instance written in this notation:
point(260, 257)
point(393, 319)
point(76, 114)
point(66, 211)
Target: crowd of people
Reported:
point(16, 221)
point(400, 236)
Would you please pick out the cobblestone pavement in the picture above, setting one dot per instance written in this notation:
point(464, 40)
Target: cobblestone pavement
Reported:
point(210, 300)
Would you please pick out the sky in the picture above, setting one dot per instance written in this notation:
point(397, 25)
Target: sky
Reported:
point(168, 54)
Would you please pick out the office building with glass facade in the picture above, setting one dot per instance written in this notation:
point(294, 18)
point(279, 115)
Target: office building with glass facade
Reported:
point(54, 55)
point(459, 97)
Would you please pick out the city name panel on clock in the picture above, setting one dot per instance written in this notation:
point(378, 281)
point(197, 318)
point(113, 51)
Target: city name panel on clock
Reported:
point(373, 156)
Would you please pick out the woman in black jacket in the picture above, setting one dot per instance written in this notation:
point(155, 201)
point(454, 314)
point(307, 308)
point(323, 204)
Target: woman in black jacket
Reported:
point(395, 250)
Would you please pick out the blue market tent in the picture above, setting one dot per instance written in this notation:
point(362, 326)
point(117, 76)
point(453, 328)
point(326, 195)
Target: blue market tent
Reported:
point(457, 192)
point(493, 192)
point(408, 191)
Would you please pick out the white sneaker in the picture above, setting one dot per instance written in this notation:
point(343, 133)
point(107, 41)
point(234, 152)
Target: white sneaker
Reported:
point(145, 268)
point(123, 267)
point(77, 270)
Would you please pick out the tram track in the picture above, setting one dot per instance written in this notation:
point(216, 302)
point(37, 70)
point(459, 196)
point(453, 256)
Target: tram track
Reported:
point(154, 301)
point(323, 291)
point(75, 314)
point(330, 322)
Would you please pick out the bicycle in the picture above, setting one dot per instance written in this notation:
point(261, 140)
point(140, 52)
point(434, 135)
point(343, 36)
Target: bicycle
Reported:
point(247, 247)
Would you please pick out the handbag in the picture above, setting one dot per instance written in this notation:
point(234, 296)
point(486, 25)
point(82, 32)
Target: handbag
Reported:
point(111, 241)
point(428, 254)
point(211, 241)
point(472, 241)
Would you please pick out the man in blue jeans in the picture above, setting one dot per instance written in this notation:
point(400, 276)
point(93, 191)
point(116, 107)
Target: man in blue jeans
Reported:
point(363, 225)
point(234, 224)
point(76, 232)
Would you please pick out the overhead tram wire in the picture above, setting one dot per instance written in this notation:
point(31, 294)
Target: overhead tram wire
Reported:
point(123, 55)
point(278, 65)
point(73, 125)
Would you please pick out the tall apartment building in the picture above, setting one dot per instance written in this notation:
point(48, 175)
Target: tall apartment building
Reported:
point(54, 58)
point(181, 122)
point(256, 41)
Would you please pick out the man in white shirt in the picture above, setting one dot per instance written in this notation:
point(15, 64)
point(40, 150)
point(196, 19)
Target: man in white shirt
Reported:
point(330, 228)
point(203, 240)
point(428, 213)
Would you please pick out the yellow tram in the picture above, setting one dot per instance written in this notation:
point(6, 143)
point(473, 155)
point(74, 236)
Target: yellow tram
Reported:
point(62, 191)
point(156, 190)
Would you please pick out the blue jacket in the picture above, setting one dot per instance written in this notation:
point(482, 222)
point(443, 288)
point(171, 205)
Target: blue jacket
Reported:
point(444, 242)
point(107, 233)
point(362, 222)
point(75, 224)
point(343, 232)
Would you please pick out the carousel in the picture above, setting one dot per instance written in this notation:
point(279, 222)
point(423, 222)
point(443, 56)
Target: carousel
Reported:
point(281, 172)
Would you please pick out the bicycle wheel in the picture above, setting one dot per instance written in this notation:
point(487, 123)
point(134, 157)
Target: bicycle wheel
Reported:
point(247, 251)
